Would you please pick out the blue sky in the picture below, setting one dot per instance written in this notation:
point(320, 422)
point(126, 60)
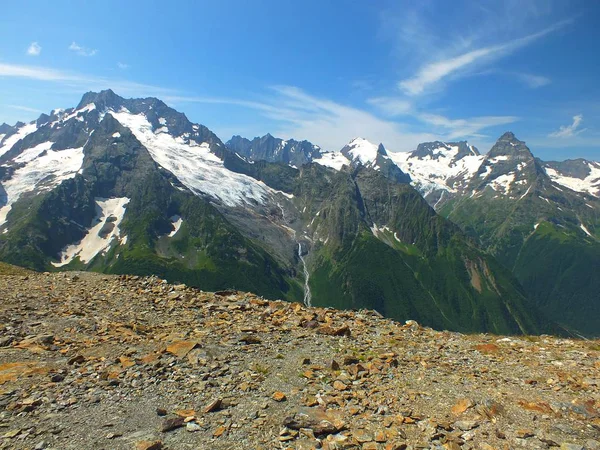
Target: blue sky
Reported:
point(326, 71)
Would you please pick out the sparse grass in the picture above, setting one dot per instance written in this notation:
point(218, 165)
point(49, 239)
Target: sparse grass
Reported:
point(9, 269)
point(259, 368)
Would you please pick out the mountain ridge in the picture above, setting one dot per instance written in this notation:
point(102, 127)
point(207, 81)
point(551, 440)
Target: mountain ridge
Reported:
point(148, 191)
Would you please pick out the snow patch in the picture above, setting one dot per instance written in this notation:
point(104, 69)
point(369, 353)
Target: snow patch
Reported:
point(194, 164)
point(362, 151)
point(109, 214)
point(444, 172)
point(498, 158)
point(503, 182)
point(10, 141)
point(176, 221)
point(41, 172)
point(590, 184)
point(335, 160)
point(582, 226)
point(116, 135)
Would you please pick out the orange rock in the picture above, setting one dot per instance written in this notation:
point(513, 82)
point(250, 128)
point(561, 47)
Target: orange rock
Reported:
point(126, 362)
point(149, 358)
point(461, 406)
point(541, 407)
point(148, 445)
point(219, 431)
point(185, 412)
point(279, 396)
point(181, 348)
point(14, 370)
point(487, 348)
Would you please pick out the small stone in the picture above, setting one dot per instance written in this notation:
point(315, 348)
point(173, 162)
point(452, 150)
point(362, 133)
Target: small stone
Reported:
point(148, 445)
point(451, 446)
point(466, 425)
point(57, 377)
point(592, 444)
point(279, 396)
point(362, 436)
point(215, 405)
point(335, 365)
point(219, 431)
point(567, 446)
point(181, 348)
point(161, 412)
point(461, 406)
point(192, 427)
point(524, 434)
point(250, 339)
point(486, 446)
point(338, 385)
point(11, 434)
point(380, 436)
point(76, 360)
point(171, 424)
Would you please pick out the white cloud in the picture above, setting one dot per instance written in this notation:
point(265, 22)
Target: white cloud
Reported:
point(82, 51)
point(391, 106)
point(459, 128)
point(122, 66)
point(566, 131)
point(34, 49)
point(533, 81)
point(24, 108)
point(80, 82)
point(435, 72)
point(331, 125)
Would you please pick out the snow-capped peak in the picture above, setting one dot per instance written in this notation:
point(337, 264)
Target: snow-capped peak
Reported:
point(437, 167)
point(360, 150)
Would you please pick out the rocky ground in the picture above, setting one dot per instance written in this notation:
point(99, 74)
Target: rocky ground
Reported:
point(90, 361)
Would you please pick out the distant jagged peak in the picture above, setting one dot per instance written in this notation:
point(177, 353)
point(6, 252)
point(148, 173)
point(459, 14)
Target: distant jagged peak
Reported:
point(438, 149)
point(360, 150)
point(509, 146)
point(103, 100)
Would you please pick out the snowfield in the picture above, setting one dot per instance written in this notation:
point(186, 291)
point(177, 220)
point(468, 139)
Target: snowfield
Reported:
point(44, 169)
point(176, 222)
point(10, 141)
point(589, 184)
point(105, 230)
point(193, 164)
point(440, 173)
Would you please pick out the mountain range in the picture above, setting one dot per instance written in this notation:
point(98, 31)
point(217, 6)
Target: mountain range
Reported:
point(501, 242)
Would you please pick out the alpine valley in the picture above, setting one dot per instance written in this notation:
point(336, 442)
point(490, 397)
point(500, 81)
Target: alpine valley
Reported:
point(499, 242)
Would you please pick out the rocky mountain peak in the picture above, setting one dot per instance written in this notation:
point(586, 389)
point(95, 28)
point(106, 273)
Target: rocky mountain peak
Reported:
point(5, 128)
point(508, 145)
point(103, 99)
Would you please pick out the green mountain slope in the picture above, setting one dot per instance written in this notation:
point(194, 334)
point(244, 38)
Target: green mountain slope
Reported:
point(546, 234)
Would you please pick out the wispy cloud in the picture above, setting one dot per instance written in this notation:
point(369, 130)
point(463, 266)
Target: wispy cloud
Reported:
point(82, 51)
point(122, 66)
point(331, 125)
point(34, 49)
point(82, 82)
point(24, 108)
point(533, 81)
point(391, 106)
point(456, 128)
point(435, 72)
point(566, 131)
